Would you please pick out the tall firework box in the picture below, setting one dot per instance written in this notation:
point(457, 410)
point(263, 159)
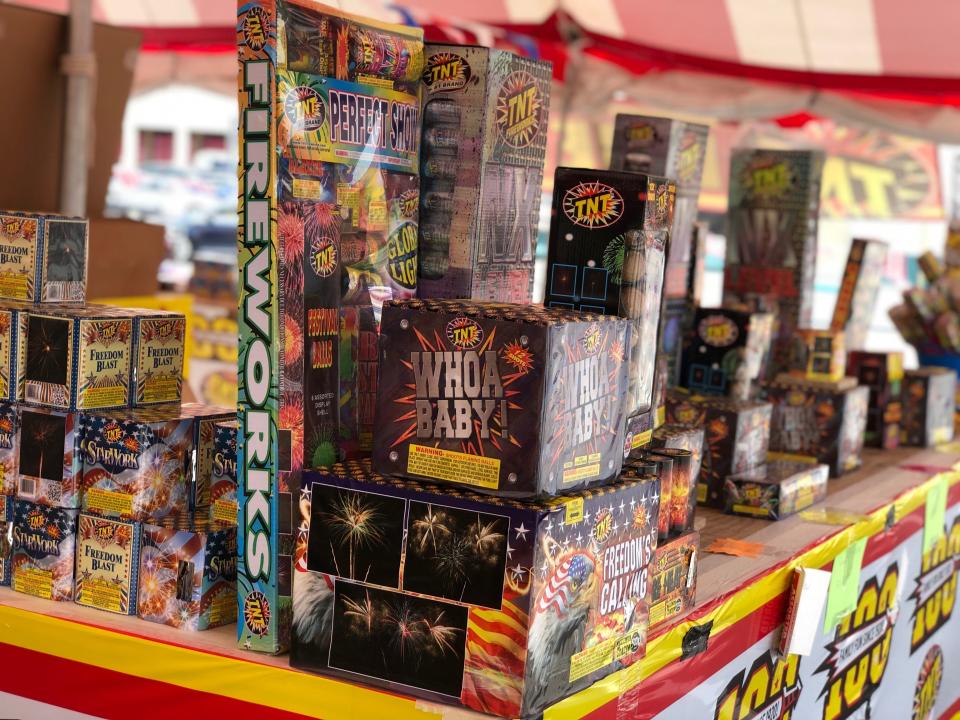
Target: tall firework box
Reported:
point(108, 564)
point(6, 538)
point(200, 471)
point(882, 372)
point(858, 291)
point(818, 421)
point(928, 406)
point(698, 262)
point(44, 541)
point(676, 324)
point(609, 236)
point(508, 605)
point(736, 437)
point(223, 474)
point(818, 355)
point(9, 448)
point(516, 400)
point(188, 574)
point(78, 358)
point(43, 258)
point(673, 149)
point(484, 144)
point(135, 463)
point(685, 437)
point(772, 238)
point(724, 351)
point(776, 490)
point(673, 587)
point(158, 355)
point(329, 141)
point(49, 457)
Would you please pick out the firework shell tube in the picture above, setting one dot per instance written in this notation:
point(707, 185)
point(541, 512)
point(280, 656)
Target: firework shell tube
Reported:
point(665, 471)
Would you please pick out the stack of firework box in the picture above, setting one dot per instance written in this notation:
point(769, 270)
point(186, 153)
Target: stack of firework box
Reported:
point(94, 441)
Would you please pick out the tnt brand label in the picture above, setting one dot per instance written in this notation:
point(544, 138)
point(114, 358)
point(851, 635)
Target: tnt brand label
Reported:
point(592, 205)
point(519, 109)
point(446, 72)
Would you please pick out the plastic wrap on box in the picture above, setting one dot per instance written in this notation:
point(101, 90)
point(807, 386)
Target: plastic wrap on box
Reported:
point(519, 400)
point(882, 372)
point(928, 406)
point(49, 457)
point(777, 489)
point(43, 258)
point(44, 541)
point(686, 437)
point(108, 564)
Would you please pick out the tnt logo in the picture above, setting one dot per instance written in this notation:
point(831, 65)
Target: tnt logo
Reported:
point(446, 72)
point(255, 29)
point(641, 134)
point(256, 613)
point(770, 689)
point(603, 526)
point(718, 331)
point(323, 256)
point(928, 685)
point(304, 108)
point(519, 106)
point(36, 520)
point(769, 180)
point(103, 531)
point(591, 339)
point(112, 432)
point(464, 333)
point(592, 205)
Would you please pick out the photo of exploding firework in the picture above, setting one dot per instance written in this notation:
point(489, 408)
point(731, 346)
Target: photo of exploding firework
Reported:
point(398, 638)
point(355, 535)
point(65, 266)
point(42, 446)
point(456, 554)
point(48, 350)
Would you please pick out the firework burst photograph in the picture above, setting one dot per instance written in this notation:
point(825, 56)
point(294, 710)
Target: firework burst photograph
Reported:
point(41, 452)
point(48, 346)
point(355, 535)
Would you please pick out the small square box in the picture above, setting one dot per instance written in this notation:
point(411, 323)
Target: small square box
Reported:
point(928, 406)
point(43, 258)
point(882, 372)
point(205, 420)
point(6, 538)
point(44, 540)
point(49, 460)
point(818, 355)
point(776, 490)
point(223, 480)
point(108, 564)
point(158, 338)
point(673, 586)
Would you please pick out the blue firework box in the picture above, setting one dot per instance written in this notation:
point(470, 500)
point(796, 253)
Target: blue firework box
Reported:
point(108, 564)
point(6, 537)
point(44, 541)
point(223, 474)
point(509, 605)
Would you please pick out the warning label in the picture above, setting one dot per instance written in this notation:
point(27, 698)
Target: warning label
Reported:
point(454, 466)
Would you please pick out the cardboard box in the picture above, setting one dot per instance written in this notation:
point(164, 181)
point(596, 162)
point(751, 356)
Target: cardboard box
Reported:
point(674, 149)
point(882, 372)
point(776, 490)
point(609, 234)
point(818, 422)
point(108, 564)
point(135, 249)
point(43, 258)
point(158, 352)
point(44, 540)
point(9, 448)
point(205, 420)
point(6, 538)
point(685, 437)
point(737, 434)
point(674, 579)
point(772, 238)
point(858, 291)
point(928, 406)
point(49, 457)
point(518, 400)
point(818, 355)
point(484, 144)
point(9, 363)
point(223, 479)
point(501, 630)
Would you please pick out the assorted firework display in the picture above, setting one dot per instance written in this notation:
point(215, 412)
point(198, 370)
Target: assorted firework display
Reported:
point(776, 489)
point(508, 605)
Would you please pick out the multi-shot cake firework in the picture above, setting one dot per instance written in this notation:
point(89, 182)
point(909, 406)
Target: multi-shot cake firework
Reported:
point(158, 355)
point(818, 355)
point(928, 406)
point(188, 574)
point(508, 606)
point(223, 478)
point(6, 538)
point(682, 503)
point(49, 457)
point(78, 358)
point(518, 400)
point(43, 258)
point(736, 437)
point(651, 465)
point(882, 372)
point(777, 489)
point(817, 422)
point(44, 540)
point(685, 437)
point(609, 234)
point(858, 291)
point(201, 472)
point(673, 586)
point(108, 564)
point(484, 143)
point(9, 448)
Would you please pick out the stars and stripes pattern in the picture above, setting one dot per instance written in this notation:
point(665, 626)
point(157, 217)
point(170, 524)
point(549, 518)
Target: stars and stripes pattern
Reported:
point(562, 584)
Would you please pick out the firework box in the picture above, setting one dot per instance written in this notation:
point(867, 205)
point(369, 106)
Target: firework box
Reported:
point(188, 575)
point(684, 437)
point(43, 258)
point(484, 144)
point(736, 437)
point(609, 234)
point(44, 540)
point(724, 351)
point(223, 478)
point(9, 364)
point(135, 463)
point(158, 338)
point(518, 400)
point(108, 564)
point(882, 372)
point(9, 447)
point(772, 238)
point(668, 148)
point(512, 604)
point(818, 421)
point(676, 325)
point(858, 291)
point(200, 471)
point(78, 359)
point(6, 537)
point(49, 457)
point(808, 598)
point(928, 406)
point(777, 489)
point(818, 355)
point(673, 588)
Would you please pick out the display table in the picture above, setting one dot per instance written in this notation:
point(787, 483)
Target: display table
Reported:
point(715, 662)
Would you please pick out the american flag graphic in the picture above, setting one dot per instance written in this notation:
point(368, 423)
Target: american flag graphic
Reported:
point(563, 583)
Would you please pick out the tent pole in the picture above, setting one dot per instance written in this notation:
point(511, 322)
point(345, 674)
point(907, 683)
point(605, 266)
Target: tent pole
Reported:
point(78, 64)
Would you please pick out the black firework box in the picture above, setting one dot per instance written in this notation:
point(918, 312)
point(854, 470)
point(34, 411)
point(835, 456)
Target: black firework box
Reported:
point(724, 351)
point(223, 474)
point(108, 564)
point(508, 605)
point(928, 406)
point(882, 372)
point(6, 538)
point(822, 422)
point(609, 236)
point(49, 457)
point(674, 149)
point(43, 258)
point(158, 355)
point(684, 437)
point(776, 490)
point(44, 544)
point(772, 238)
point(516, 400)
point(736, 437)
point(858, 291)
point(481, 166)
point(673, 588)
point(9, 448)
